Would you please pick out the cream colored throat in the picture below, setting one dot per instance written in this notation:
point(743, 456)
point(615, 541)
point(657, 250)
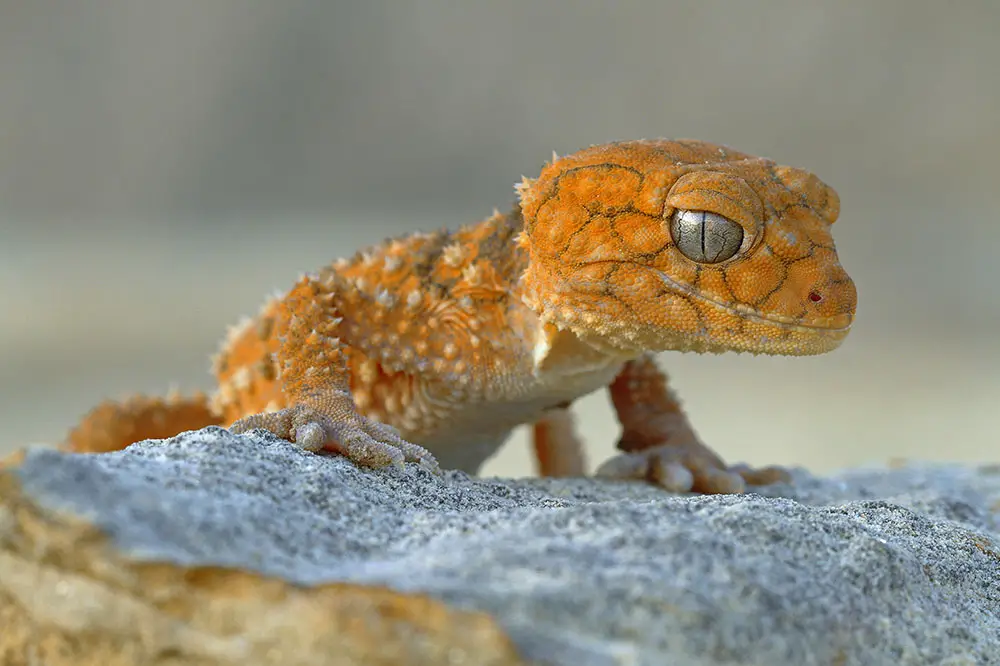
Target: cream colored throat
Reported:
point(562, 353)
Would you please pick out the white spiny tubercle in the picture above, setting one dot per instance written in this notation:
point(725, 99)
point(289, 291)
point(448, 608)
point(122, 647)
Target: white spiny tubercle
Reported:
point(237, 329)
point(385, 298)
point(368, 371)
point(215, 362)
point(471, 274)
point(453, 255)
point(225, 395)
point(524, 185)
point(413, 299)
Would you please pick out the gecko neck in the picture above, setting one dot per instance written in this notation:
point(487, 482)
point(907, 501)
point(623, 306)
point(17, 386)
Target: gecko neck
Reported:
point(557, 348)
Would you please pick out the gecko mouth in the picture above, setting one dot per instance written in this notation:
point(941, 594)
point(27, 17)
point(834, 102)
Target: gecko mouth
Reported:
point(830, 325)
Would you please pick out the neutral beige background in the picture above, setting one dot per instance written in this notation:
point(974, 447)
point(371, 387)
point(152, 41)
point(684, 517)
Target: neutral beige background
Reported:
point(164, 165)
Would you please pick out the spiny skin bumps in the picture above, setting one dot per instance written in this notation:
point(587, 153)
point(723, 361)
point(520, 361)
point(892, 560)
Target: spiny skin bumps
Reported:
point(454, 338)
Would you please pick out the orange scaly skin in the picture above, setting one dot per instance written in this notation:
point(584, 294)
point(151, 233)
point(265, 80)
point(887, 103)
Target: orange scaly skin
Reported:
point(454, 338)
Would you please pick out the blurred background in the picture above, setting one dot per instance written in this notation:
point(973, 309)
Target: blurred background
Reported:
point(163, 166)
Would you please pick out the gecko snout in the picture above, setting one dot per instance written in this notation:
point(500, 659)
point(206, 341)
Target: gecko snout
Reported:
point(831, 301)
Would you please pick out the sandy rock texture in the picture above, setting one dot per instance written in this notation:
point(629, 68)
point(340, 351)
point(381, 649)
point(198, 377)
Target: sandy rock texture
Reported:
point(211, 548)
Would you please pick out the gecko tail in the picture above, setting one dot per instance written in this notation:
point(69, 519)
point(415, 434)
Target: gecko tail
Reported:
point(114, 425)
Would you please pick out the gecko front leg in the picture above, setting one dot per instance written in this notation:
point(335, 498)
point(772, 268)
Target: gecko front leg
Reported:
point(312, 367)
point(659, 444)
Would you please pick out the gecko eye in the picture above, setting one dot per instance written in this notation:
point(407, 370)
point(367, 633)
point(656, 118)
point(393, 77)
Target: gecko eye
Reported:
point(707, 238)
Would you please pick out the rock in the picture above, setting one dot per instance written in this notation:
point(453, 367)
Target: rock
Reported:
point(211, 548)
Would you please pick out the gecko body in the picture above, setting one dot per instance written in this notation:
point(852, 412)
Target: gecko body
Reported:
point(432, 347)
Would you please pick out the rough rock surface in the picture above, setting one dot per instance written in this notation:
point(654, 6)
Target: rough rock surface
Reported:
point(220, 549)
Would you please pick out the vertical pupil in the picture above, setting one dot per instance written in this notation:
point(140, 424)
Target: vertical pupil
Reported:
point(705, 236)
point(704, 233)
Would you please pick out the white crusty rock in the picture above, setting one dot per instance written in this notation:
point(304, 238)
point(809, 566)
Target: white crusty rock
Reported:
point(894, 566)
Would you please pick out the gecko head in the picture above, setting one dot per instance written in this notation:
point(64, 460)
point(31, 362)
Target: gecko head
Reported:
point(686, 245)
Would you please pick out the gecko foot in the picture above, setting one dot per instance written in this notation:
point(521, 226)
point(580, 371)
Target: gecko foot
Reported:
point(365, 442)
point(688, 468)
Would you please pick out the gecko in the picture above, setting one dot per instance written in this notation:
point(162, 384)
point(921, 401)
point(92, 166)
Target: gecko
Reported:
point(430, 348)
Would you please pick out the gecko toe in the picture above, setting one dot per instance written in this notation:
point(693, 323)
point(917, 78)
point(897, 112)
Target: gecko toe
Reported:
point(762, 476)
point(409, 452)
point(718, 482)
point(671, 476)
point(689, 467)
point(366, 451)
point(623, 466)
point(310, 436)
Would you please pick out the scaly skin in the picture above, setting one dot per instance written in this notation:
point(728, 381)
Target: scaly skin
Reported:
point(454, 338)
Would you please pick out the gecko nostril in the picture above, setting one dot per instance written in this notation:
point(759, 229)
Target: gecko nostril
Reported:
point(815, 297)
